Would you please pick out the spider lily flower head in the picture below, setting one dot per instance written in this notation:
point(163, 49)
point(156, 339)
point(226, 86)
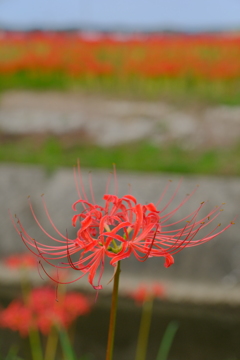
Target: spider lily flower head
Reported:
point(119, 228)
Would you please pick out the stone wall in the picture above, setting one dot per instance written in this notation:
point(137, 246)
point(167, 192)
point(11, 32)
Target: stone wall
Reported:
point(216, 261)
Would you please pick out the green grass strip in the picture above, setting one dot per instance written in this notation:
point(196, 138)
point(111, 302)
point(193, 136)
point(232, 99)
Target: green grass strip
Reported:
point(185, 89)
point(140, 156)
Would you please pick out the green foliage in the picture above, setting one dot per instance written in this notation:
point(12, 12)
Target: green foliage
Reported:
point(167, 340)
point(53, 152)
point(12, 354)
point(187, 89)
point(66, 344)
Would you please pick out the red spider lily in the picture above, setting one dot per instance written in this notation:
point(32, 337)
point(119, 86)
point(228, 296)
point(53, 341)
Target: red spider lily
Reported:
point(120, 228)
point(41, 311)
point(147, 292)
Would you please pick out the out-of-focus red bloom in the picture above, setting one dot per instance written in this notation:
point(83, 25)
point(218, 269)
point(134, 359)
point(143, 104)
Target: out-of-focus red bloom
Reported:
point(43, 302)
point(120, 228)
point(75, 305)
point(16, 261)
point(201, 57)
point(147, 292)
point(42, 311)
point(17, 317)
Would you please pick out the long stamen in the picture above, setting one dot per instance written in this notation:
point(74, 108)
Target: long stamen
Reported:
point(91, 188)
point(81, 181)
point(115, 179)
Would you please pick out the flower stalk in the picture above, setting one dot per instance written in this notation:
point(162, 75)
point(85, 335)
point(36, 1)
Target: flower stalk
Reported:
point(51, 346)
point(113, 313)
point(144, 329)
point(35, 343)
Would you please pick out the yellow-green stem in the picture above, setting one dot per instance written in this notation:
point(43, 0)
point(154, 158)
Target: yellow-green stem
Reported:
point(113, 313)
point(51, 346)
point(35, 343)
point(144, 330)
point(25, 284)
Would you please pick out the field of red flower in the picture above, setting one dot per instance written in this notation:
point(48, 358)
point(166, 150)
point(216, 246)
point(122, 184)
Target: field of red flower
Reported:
point(77, 57)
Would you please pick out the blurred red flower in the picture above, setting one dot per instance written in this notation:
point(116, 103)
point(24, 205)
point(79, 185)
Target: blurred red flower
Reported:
point(16, 261)
point(42, 311)
point(199, 57)
point(147, 292)
point(17, 317)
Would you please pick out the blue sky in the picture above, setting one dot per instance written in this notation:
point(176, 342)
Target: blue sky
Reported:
point(188, 14)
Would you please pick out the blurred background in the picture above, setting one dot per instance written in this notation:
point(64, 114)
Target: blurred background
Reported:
point(154, 87)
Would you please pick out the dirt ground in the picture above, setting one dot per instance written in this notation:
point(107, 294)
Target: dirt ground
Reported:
point(111, 121)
